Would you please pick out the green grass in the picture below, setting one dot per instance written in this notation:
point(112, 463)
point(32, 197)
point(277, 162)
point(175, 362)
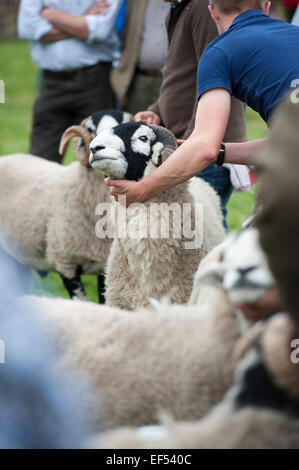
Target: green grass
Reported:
point(21, 81)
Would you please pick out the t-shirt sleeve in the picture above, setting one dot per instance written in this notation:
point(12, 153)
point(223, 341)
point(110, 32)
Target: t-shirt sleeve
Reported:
point(213, 71)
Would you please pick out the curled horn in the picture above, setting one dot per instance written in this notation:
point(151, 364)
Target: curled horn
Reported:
point(169, 141)
point(78, 131)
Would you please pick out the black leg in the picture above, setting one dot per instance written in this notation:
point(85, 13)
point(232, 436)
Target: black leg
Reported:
point(101, 289)
point(42, 274)
point(74, 285)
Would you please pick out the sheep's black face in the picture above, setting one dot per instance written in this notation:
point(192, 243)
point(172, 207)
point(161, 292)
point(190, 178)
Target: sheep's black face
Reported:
point(125, 150)
point(105, 120)
point(101, 120)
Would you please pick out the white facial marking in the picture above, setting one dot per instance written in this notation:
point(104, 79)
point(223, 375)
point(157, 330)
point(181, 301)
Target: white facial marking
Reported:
point(90, 127)
point(141, 140)
point(248, 276)
point(106, 123)
point(242, 270)
point(109, 157)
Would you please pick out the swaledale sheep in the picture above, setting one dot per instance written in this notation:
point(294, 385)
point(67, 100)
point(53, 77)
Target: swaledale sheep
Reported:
point(260, 411)
point(47, 211)
point(146, 262)
point(178, 358)
point(239, 266)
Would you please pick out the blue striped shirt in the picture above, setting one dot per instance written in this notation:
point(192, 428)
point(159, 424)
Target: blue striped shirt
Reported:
point(69, 54)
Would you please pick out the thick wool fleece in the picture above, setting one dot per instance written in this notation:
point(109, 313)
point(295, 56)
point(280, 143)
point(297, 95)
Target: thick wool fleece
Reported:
point(260, 411)
point(141, 268)
point(203, 292)
point(49, 222)
point(177, 359)
point(226, 427)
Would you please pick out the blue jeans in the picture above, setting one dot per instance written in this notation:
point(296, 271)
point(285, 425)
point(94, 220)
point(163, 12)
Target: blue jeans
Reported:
point(219, 179)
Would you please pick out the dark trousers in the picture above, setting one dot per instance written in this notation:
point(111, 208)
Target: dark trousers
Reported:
point(143, 91)
point(219, 179)
point(63, 102)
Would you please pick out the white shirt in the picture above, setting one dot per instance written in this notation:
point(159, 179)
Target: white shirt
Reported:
point(153, 46)
point(69, 54)
point(295, 19)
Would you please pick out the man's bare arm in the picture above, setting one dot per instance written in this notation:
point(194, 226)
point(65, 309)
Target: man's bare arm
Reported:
point(66, 26)
point(243, 153)
point(54, 35)
point(72, 25)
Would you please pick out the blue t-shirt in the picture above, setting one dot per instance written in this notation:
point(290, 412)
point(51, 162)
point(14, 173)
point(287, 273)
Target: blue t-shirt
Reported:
point(256, 60)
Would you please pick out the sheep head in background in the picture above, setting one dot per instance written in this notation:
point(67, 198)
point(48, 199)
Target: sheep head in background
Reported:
point(89, 128)
point(131, 150)
point(260, 410)
point(242, 270)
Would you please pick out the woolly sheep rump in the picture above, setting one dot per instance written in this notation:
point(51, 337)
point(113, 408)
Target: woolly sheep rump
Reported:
point(177, 359)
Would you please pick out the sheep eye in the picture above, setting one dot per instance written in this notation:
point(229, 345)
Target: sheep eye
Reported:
point(143, 138)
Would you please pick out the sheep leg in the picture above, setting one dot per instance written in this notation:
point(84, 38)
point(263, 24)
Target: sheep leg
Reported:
point(74, 285)
point(101, 289)
point(42, 274)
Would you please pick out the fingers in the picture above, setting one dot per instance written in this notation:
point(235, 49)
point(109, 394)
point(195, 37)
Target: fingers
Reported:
point(111, 182)
point(116, 187)
point(141, 116)
point(180, 142)
point(147, 116)
point(98, 8)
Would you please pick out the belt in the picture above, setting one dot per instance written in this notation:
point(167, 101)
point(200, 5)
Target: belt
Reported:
point(71, 74)
point(149, 72)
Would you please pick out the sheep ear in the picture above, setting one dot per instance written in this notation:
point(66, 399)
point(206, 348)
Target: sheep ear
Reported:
point(127, 117)
point(79, 132)
point(165, 146)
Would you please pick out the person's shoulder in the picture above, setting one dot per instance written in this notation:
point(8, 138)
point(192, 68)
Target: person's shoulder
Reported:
point(219, 44)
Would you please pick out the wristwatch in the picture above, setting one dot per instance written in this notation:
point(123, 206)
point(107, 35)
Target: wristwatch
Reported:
point(221, 155)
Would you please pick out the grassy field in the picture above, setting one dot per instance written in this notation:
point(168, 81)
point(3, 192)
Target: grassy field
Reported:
point(21, 80)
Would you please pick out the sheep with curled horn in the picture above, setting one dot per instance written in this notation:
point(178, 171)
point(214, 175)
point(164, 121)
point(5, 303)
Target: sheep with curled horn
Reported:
point(88, 129)
point(47, 211)
point(259, 411)
point(155, 256)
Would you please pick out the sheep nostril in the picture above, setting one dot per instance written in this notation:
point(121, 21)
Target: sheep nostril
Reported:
point(244, 271)
point(97, 148)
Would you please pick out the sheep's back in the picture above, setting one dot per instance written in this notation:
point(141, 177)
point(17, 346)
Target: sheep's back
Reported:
point(25, 192)
point(178, 358)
